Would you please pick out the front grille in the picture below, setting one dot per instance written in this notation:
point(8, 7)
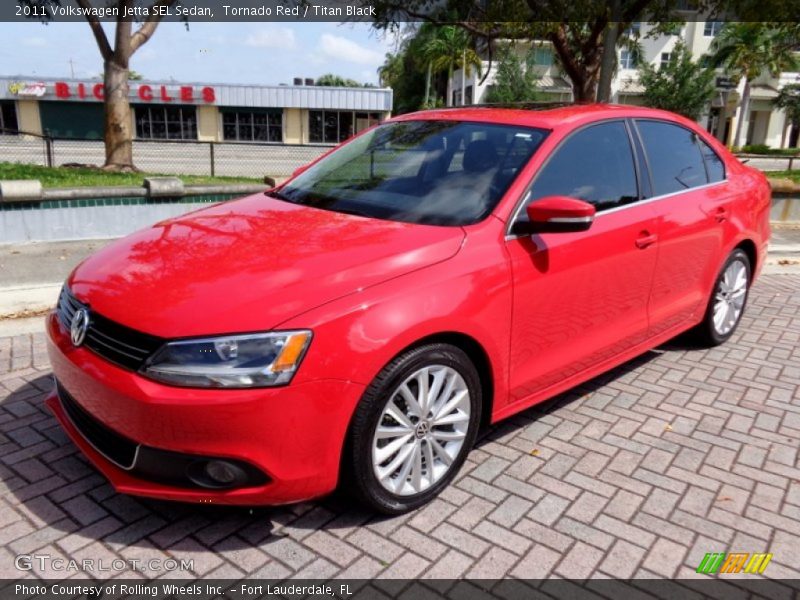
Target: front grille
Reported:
point(116, 343)
point(119, 450)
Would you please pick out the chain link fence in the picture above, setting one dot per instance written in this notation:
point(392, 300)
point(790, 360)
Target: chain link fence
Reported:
point(233, 159)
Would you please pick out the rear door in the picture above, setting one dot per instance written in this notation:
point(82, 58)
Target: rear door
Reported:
point(692, 202)
point(580, 299)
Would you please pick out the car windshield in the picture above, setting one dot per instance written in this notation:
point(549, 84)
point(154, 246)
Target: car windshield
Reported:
point(433, 172)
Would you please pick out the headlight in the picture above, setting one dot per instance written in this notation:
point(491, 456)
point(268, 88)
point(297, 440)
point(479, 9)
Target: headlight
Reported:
point(231, 361)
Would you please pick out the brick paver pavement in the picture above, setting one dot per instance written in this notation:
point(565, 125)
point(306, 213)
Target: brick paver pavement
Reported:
point(638, 473)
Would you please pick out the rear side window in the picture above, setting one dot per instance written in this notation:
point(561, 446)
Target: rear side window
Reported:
point(714, 165)
point(595, 164)
point(674, 157)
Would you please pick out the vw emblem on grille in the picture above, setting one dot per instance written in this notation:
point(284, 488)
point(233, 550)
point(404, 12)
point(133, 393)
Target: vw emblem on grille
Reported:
point(79, 326)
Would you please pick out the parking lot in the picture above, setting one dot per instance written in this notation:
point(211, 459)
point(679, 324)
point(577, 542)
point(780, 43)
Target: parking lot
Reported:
point(638, 473)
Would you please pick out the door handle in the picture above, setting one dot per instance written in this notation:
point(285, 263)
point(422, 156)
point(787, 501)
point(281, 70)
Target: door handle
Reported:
point(646, 239)
point(720, 214)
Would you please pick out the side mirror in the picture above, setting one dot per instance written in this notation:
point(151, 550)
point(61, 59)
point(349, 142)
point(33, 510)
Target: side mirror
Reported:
point(299, 170)
point(556, 214)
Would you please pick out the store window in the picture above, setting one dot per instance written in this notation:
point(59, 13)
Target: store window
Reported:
point(166, 122)
point(8, 118)
point(334, 126)
point(252, 125)
point(543, 57)
point(712, 28)
point(634, 30)
point(628, 59)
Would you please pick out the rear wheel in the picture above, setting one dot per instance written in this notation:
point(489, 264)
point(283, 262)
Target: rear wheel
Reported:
point(413, 428)
point(728, 300)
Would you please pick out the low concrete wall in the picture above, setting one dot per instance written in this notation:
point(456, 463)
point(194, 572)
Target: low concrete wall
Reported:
point(98, 213)
point(85, 222)
point(785, 208)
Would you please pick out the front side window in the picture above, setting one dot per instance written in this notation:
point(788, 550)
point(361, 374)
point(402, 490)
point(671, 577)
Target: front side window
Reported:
point(434, 172)
point(673, 156)
point(595, 164)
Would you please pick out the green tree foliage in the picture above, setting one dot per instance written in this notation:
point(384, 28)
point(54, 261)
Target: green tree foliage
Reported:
point(417, 71)
point(577, 29)
point(745, 50)
point(682, 85)
point(449, 48)
point(516, 79)
point(789, 100)
point(331, 80)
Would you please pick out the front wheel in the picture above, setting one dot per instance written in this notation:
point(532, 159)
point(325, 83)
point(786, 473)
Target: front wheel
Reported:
point(728, 300)
point(413, 428)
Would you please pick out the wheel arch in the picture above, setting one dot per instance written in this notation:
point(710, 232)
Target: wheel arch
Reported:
point(748, 246)
point(479, 357)
point(476, 353)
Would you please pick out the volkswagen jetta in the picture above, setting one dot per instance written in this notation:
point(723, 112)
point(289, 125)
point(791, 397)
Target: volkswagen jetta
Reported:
point(359, 323)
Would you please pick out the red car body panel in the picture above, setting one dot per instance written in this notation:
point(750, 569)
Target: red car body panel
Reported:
point(540, 314)
point(246, 265)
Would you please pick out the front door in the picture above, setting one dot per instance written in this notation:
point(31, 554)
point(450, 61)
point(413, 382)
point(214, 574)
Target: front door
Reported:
point(580, 299)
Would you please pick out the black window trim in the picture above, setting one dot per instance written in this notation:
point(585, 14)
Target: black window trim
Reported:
point(526, 194)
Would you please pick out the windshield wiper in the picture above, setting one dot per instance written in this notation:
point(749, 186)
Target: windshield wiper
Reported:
point(279, 196)
point(352, 211)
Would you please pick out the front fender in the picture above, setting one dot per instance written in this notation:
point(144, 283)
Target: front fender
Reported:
point(470, 294)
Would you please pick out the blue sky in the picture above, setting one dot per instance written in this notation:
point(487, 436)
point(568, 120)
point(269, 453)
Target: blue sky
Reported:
point(267, 53)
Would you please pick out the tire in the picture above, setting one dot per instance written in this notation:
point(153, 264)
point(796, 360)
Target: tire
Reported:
point(409, 444)
point(730, 292)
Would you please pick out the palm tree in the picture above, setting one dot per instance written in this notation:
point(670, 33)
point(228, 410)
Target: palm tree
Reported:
point(789, 100)
point(745, 50)
point(449, 47)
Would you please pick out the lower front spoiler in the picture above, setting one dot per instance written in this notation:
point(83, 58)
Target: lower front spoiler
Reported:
point(126, 482)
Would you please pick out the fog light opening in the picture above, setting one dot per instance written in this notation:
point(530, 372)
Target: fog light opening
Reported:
point(222, 472)
point(217, 474)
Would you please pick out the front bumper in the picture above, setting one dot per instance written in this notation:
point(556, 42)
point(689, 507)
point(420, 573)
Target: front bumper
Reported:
point(292, 435)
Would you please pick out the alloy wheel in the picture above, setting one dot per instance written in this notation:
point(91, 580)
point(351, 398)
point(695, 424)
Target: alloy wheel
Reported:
point(421, 430)
point(729, 297)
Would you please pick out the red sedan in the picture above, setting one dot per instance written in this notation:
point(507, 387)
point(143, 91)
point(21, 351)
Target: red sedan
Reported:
point(359, 323)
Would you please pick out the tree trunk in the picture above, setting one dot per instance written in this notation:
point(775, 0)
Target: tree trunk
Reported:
point(609, 60)
point(428, 84)
point(449, 84)
point(118, 121)
point(744, 112)
point(581, 70)
point(463, 76)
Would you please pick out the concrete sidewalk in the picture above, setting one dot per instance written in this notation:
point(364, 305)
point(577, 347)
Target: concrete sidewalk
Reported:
point(31, 274)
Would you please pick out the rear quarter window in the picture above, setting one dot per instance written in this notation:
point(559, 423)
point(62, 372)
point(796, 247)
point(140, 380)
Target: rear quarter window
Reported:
point(714, 165)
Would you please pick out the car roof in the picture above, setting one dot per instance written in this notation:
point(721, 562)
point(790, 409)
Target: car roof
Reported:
point(547, 117)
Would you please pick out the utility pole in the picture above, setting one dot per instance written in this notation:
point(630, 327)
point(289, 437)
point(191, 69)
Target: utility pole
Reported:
point(72, 68)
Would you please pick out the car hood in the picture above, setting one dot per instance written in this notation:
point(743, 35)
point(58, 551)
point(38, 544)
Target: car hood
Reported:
point(249, 265)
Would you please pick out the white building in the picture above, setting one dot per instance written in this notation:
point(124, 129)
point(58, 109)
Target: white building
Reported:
point(765, 125)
